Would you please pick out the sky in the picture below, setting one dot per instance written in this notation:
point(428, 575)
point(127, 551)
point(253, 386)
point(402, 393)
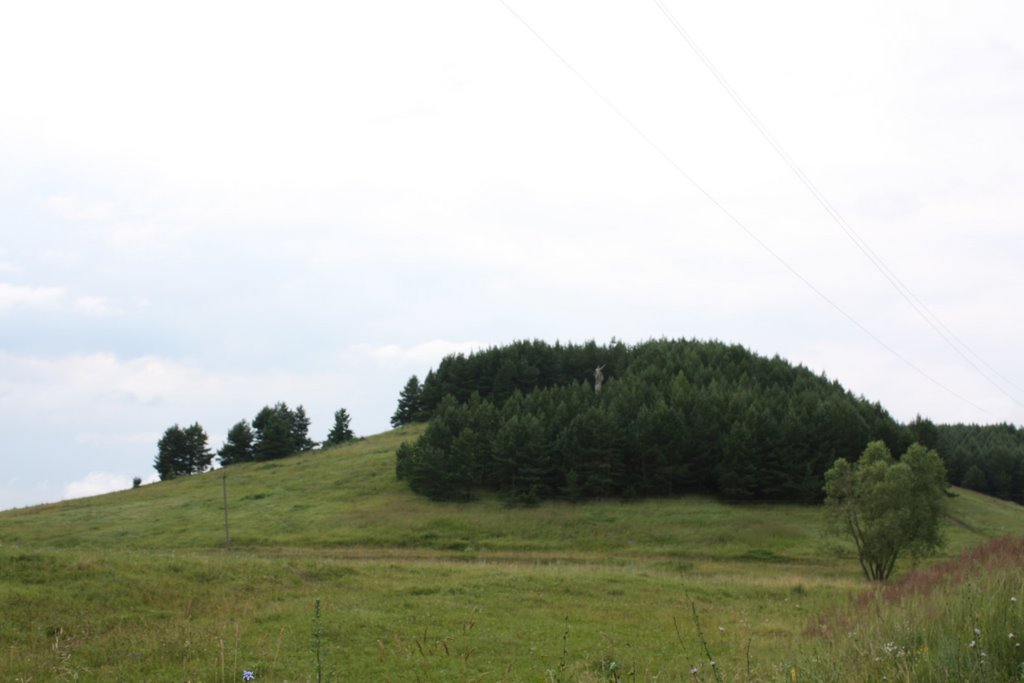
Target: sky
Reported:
point(208, 207)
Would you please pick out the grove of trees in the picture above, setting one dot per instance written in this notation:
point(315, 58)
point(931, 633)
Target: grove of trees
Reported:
point(181, 452)
point(275, 432)
point(280, 431)
point(673, 417)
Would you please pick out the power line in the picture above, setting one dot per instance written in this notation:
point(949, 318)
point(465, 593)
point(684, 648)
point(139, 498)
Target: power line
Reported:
point(904, 291)
point(735, 220)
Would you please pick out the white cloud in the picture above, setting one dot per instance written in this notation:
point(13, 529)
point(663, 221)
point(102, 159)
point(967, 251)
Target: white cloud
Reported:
point(21, 296)
point(92, 305)
point(50, 299)
point(143, 440)
point(96, 483)
point(103, 380)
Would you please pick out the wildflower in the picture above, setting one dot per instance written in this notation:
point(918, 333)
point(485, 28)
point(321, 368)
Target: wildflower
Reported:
point(977, 631)
point(971, 644)
point(693, 670)
point(1012, 636)
point(712, 663)
point(1013, 598)
point(721, 629)
point(248, 676)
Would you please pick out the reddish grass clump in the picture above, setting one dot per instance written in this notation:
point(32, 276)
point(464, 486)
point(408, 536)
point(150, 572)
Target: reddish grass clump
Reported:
point(1006, 552)
point(997, 555)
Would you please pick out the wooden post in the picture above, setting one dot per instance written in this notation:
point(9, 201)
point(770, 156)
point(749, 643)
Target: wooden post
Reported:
point(227, 534)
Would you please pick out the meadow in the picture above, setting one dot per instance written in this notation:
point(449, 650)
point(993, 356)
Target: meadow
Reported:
point(336, 572)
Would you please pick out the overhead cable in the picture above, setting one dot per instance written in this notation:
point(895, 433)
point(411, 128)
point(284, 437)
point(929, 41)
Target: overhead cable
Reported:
point(893, 279)
point(733, 218)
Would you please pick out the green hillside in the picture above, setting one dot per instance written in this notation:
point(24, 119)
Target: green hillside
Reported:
point(139, 584)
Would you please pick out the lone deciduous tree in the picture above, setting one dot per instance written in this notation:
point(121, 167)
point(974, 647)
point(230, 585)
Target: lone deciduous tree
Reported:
point(886, 506)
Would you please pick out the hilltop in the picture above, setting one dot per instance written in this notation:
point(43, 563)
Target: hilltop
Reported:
point(659, 418)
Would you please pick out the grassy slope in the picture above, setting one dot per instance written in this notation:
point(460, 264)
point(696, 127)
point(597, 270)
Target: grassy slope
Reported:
point(138, 585)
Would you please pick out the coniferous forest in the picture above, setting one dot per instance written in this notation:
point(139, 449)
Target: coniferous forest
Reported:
point(669, 417)
point(985, 458)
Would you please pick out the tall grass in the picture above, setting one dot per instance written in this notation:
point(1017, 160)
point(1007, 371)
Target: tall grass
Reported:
point(959, 620)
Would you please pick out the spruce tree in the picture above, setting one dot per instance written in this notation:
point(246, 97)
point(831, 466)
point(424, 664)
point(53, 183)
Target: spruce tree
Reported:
point(300, 431)
point(274, 432)
point(341, 431)
point(181, 452)
point(238, 447)
point(275, 437)
point(198, 454)
point(410, 406)
point(172, 454)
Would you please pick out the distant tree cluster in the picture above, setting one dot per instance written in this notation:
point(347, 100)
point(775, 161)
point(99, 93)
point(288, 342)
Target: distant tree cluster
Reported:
point(672, 417)
point(275, 432)
point(988, 458)
point(181, 452)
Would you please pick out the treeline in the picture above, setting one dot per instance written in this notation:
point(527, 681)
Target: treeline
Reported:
point(276, 432)
point(988, 458)
point(672, 417)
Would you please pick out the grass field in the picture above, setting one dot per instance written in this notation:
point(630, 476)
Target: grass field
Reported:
point(336, 572)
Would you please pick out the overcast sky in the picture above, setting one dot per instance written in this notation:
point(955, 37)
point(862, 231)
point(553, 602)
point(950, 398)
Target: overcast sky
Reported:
point(207, 207)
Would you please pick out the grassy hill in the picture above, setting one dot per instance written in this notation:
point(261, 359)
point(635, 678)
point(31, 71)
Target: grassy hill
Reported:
point(140, 585)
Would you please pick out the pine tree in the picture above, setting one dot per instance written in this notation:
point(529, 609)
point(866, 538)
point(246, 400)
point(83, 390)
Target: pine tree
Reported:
point(181, 452)
point(198, 454)
point(975, 479)
point(274, 432)
point(172, 452)
point(300, 431)
point(275, 438)
point(410, 406)
point(341, 431)
point(238, 447)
